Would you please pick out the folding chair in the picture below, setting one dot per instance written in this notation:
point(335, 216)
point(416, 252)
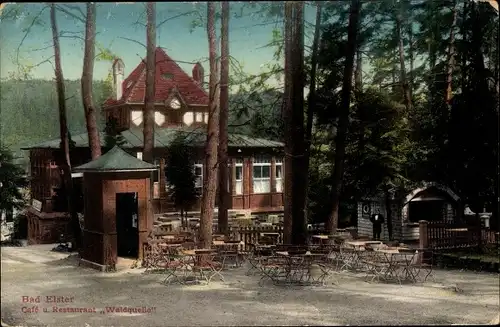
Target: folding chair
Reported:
point(206, 265)
point(173, 265)
point(423, 264)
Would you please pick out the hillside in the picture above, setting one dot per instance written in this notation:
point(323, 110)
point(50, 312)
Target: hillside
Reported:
point(29, 110)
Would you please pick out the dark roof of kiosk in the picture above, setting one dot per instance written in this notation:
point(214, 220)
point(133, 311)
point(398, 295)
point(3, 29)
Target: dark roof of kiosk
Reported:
point(115, 160)
point(196, 136)
point(134, 86)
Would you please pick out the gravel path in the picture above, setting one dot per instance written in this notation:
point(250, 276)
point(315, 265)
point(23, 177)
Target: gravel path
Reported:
point(450, 298)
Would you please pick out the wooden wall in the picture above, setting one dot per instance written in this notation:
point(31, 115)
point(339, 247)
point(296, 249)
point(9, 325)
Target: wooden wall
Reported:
point(403, 229)
point(100, 238)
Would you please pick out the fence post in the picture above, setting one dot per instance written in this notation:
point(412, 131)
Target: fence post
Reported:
point(423, 238)
point(423, 235)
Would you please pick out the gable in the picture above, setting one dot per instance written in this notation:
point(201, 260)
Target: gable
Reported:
point(169, 78)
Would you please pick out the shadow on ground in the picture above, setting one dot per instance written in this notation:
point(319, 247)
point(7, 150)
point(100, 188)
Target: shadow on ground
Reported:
point(240, 300)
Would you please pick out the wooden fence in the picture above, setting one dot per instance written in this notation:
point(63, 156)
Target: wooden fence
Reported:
point(455, 236)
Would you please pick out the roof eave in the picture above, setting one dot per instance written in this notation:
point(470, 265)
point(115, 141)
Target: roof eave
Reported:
point(106, 107)
point(76, 170)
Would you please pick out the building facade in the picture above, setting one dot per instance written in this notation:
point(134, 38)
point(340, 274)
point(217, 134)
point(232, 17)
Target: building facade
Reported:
point(181, 108)
point(431, 202)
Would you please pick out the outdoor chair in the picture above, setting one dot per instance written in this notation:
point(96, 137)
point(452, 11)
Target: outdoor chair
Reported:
point(271, 268)
point(376, 264)
point(173, 266)
point(228, 255)
point(153, 256)
point(188, 245)
point(408, 264)
point(422, 266)
point(257, 257)
point(349, 258)
point(206, 265)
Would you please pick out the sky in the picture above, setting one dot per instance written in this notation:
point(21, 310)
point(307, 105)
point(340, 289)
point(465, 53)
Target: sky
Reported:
point(117, 22)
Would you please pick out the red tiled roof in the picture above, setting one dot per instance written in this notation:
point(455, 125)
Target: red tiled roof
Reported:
point(134, 86)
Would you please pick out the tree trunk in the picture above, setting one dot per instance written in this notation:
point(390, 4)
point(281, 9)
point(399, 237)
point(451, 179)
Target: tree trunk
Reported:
point(464, 29)
point(388, 211)
point(285, 113)
point(311, 103)
point(338, 170)
point(87, 79)
point(299, 224)
point(358, 73)
point(404, 80)
point(63, 128)
point(451, 56)
point(210, 182)
point(149, 99)
point(411, 56)
point(432, 49)
point(223, 122)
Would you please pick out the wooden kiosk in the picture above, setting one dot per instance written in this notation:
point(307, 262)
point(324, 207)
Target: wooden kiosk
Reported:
point(117, 208)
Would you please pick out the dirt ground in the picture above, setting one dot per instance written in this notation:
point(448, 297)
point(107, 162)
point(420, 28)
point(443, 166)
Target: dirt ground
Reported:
point(450, 297)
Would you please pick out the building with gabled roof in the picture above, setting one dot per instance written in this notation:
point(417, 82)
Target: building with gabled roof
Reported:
point(181, 107)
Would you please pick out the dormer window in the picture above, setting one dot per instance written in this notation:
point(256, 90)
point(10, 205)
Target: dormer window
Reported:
point(167, 76)
point(136, 117)
point(175, 104)
point(159, 118)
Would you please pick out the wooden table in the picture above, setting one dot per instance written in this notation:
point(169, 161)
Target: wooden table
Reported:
point(456, 229)
point(321, 238)
point(170, 245)
point(356, 244)
point(372, 242)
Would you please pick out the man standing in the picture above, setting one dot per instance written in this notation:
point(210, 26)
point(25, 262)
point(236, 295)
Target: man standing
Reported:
point(377, 221)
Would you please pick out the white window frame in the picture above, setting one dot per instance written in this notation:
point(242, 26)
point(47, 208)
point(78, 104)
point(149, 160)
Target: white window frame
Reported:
point(199, 178)
point(136, 117)
point(279, 180)
point(238, 185)
point(261, 185)
point(160, 118)
point(198, 117)
point(188, 118)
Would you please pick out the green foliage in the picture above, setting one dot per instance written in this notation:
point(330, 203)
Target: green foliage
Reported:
point(112, 135)
point(179, 172)
point(12, 181)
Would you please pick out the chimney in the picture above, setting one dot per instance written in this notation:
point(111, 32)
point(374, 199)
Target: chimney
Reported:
point(199, 74)
point(118, 68)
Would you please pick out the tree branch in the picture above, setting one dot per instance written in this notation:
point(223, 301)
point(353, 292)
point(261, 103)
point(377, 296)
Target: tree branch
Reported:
point(131, 40)
point(69, 13)
point(27, 32)
point(176, 16)
point(240, 125)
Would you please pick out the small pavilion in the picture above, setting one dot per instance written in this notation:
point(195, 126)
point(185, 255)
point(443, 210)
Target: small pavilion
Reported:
point(118, 214)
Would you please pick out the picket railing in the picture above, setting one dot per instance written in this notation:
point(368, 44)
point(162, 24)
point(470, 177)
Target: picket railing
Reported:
point(455, 236)
point(252, 234)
